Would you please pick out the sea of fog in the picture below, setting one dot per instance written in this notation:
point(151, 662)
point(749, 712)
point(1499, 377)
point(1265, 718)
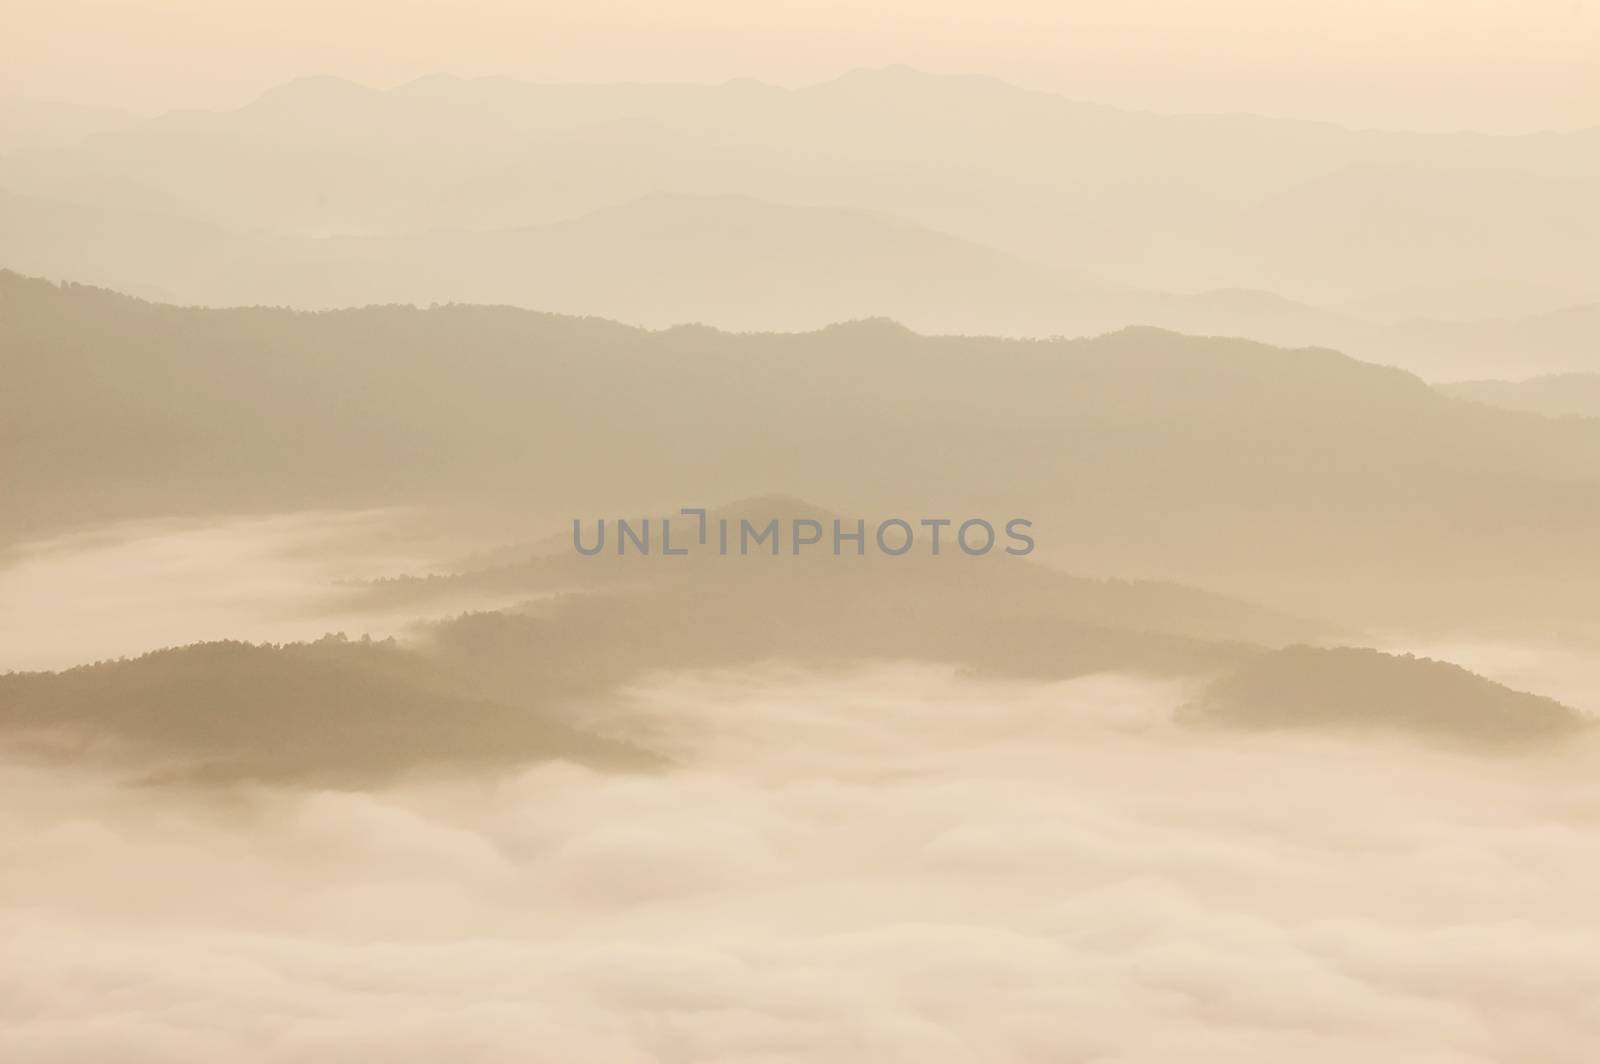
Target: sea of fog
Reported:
point(893, 863)
point(896, 862)
point(132, 587)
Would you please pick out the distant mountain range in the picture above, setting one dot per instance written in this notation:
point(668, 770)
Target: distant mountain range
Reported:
point(510, 686)
point(1303, 479)
point(750, 206)
point(28, 124)
point(1559, 395)
point(1352, 688)
point(739, 264)
point(331, 711)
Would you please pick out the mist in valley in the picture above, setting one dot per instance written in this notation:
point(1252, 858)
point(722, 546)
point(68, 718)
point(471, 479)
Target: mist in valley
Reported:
point(324, 738)
point(891, 862)
point(123, 589)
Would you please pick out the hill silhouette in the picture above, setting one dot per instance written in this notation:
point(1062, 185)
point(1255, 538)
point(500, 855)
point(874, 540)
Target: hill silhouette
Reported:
point(816, 581)
point(1309, 210)
point(741, 263)
point(332, 711)
point(1346, 687)
point(1303, 479)
point(510, 686)
point(1558, 395)
point(661, 260)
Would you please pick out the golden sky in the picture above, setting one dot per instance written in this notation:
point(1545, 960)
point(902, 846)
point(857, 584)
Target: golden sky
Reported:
point(1436, 64)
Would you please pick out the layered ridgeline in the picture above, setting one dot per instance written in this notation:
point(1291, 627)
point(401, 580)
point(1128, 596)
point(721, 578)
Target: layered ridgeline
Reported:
point(519, 684)
point(333, 711)
point(747, 206)
point(1355, 689)
point(1557, 395)
point(743, 264)
point(509, 686)
point(1300, 478)
point(1181, 202)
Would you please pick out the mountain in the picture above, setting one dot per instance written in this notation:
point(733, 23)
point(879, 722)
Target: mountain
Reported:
point(1170, 203)
point(1564, 340)
point(945, 581)
point(1418, 221)
point(657, 261)
point(738, 263)
point(732, 262)
point(1561, 395)
point(331, 712)
point(1303, 479)
point(1481, 299)
point(150, 254)
point(1353, 688)
point(30, 124)
point(505, 687)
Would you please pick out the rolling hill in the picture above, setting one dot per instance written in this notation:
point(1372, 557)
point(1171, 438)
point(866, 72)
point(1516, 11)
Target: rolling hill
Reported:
point(1354, 688)
point(734, 263)
point(1303, 479)
point(1171, 203)
point(1560, 395)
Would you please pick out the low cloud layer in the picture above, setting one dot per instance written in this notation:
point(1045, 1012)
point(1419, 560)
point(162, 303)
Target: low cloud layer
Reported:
point(135, 586)
point(897, 863)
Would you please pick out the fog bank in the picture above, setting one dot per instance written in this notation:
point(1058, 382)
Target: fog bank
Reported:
point(892, 863)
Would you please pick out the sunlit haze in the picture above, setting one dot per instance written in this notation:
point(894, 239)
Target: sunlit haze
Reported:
point(1426, 64)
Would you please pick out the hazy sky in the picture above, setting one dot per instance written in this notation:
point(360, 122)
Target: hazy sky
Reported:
point(1480, 64)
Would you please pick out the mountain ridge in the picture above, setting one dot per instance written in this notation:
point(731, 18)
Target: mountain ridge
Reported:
point(731, 261)
point(1067, 184)
point(1200, 460)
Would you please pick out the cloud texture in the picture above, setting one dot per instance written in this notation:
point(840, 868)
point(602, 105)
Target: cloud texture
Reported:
point(892, 864)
